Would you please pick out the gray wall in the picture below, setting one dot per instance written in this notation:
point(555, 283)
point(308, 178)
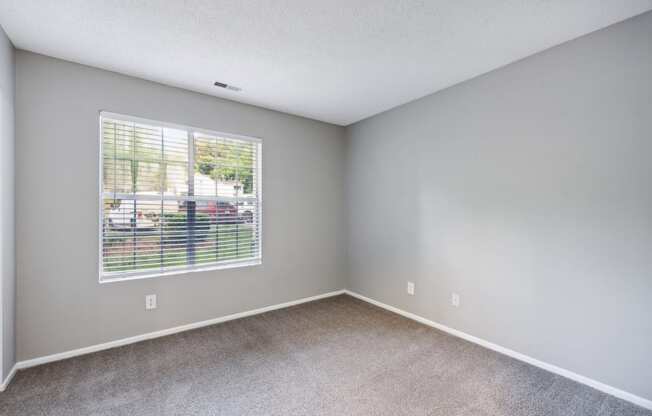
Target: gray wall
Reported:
point(529, 192)
point(7, 246)
point(60, 305)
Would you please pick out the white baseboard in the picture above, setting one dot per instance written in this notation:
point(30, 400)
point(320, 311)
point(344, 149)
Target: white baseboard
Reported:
point(7, 380)
point(640, 401)
point(605, 388)
point(156, 334)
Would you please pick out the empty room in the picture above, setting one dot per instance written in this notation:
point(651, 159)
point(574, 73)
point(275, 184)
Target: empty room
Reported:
point(343, 207)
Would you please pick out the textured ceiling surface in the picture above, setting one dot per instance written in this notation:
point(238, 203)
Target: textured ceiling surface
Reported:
point(337, 61)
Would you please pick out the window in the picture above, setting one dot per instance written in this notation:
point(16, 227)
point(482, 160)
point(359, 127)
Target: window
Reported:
point(176, 199)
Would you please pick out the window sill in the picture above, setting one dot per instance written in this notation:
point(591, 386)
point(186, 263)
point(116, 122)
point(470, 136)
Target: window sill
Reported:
point(174, 272)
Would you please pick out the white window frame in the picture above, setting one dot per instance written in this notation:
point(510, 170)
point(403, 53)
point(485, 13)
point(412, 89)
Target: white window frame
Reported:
point(175, 270)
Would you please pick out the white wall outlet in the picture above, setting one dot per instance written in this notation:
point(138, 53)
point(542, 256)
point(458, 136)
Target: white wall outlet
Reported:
point(455, 300)
point(410, 288)
point(150, 302)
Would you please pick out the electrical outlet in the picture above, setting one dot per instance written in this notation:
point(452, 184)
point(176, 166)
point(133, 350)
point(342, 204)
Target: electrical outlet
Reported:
point(150, 302)
point(410, 288)
point(455, 300)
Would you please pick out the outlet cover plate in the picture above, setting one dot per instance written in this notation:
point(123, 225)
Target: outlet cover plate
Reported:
point(150, 302)
point(455, 299)
point(410, 288)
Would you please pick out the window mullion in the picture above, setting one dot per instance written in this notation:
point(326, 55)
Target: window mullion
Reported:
point(237, 202)
point(115, 161)
point(163, 173)
point(134, 184)
point(191, 206)
point(217, 203)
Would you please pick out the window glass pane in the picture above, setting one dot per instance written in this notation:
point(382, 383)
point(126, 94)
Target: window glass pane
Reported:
point(117, 175)
point(175, 234)
point(148, 143)
point(131, 234)
point(206, 180)
point(146, 177)
point(176, 179)
point(175, 145)
point(246, 176)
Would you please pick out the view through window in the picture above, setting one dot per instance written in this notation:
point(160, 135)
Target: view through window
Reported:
point(176, 198)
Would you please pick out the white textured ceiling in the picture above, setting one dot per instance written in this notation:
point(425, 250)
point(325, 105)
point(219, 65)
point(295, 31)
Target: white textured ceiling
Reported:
point(333, 60)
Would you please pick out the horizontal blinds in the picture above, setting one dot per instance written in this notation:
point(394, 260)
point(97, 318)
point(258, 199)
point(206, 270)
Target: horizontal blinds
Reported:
point(174, 198)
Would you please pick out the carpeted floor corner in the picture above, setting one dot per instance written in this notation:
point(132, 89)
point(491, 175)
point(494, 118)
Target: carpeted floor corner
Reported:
point(337, 356)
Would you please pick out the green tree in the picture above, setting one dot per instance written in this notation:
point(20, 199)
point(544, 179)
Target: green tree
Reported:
point(224, 162)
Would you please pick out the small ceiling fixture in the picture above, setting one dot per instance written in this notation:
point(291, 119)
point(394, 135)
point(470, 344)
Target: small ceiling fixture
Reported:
point(227, 86)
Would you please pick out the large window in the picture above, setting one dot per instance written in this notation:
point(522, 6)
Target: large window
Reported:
point(176, 198)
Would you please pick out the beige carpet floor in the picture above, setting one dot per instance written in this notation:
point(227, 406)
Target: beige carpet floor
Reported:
point(337, 356)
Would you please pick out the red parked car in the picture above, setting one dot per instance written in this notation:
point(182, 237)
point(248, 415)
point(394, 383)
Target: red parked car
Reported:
point(224, 212)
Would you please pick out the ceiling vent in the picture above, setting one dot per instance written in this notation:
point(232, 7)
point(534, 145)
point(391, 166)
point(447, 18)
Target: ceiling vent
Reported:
point(227, 86)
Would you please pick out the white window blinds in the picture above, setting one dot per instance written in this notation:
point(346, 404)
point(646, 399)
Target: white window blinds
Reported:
point(175, 198)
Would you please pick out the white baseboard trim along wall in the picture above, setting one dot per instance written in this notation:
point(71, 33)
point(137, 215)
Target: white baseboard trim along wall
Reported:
point(7, 380)
point(640, 401)
point(605, 388)
point(156, 334)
